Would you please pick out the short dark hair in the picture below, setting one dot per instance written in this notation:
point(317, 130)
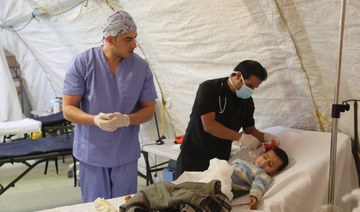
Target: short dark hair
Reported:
point(283, 157)
point(251, 67)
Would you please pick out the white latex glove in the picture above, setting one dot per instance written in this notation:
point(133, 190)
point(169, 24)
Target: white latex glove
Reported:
point(122, 120)
point(269, 138)
point(249, 141)
point(105, 121)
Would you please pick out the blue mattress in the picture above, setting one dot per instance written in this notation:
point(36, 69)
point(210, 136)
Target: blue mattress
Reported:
point(38, 151)
point(52, 120)
point(31, 147)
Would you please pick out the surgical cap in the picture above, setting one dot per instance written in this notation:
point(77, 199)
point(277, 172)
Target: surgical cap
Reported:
point(118, 23)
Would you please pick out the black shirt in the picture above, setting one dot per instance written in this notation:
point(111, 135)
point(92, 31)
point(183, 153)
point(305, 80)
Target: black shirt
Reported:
point(198, 146)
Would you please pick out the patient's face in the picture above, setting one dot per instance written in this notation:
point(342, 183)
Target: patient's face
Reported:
point(269, 162)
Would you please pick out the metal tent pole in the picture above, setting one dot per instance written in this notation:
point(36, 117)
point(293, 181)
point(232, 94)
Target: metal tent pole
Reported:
point(336, 109)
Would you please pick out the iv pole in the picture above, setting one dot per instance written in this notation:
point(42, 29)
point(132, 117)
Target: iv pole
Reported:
point(335, 114)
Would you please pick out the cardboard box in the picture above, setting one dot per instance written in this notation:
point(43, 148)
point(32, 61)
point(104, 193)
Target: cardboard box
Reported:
point(168, 174)
point(12, 62)
point(169, 171)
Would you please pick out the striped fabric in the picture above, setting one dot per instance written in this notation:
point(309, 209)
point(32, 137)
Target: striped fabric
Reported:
point(248, 177)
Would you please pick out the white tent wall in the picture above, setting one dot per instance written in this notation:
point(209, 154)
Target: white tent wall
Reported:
point(297, 41)
point(191, 42)
point(43, 48)
point(187, 42)
point(35, 82)
point(10, 107)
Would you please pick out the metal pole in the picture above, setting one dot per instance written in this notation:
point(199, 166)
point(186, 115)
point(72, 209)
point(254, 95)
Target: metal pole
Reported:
point(335, 120)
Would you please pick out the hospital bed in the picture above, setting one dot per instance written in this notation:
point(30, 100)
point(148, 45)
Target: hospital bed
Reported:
point(303, 185)
point(33, 152)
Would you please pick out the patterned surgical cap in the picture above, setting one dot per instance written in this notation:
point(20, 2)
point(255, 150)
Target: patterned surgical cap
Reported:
point(118, 23)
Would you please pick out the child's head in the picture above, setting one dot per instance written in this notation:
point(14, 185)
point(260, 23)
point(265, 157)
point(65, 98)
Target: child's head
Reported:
point(272, 161)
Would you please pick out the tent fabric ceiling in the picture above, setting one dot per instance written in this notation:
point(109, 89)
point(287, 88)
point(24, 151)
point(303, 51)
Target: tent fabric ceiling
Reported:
point(187, 42)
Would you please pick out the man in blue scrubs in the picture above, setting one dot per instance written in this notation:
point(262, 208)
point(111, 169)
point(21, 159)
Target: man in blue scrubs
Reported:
point(108, 91)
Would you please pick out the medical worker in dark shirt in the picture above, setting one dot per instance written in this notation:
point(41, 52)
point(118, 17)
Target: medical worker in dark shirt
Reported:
point(222, 107)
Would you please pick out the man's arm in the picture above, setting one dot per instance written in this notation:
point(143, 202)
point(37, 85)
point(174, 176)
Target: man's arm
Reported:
point(255, 132)
point(73, 113)
point(216, 129)
point(144, 114)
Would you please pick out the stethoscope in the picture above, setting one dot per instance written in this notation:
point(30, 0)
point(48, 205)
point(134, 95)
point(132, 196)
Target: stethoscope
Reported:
point(222, 108)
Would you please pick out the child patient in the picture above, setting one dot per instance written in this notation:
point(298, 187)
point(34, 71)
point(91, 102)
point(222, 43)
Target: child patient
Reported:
point(255, 178)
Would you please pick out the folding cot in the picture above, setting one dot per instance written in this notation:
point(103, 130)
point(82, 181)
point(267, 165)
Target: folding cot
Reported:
point(54, 124)
point(19, 127)
point(38, 151)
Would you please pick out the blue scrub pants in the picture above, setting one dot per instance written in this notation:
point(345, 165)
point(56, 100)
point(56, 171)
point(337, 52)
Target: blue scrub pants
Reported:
point(107, 182)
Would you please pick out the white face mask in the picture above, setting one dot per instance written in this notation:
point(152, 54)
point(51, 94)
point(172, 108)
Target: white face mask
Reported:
point(244, 92)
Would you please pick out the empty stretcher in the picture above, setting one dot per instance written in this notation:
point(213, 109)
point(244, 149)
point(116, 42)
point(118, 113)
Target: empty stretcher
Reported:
point(33, 152)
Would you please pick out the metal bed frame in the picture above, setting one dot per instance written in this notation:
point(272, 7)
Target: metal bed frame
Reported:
point(40, 150)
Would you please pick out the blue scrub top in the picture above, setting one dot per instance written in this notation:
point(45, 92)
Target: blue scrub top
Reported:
point(89, 75)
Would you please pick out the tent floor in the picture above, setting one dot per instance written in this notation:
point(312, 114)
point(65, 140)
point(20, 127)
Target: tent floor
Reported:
point(37, 191)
